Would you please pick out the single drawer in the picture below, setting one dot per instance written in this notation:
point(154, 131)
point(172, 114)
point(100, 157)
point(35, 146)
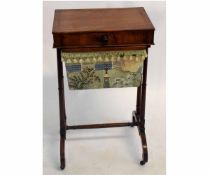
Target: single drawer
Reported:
point(101, 39)
point(104, 69)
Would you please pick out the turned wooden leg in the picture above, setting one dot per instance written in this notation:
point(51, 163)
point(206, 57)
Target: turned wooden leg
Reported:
point(61, 109)
point(62, 153)
point(144, 147)
point(141, 130)
point(139, 114)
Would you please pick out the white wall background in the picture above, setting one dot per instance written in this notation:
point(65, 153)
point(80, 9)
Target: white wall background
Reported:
point(105, 151)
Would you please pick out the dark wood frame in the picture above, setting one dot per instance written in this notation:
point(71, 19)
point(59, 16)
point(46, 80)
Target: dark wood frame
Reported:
point(134, 31)
point(138, 116)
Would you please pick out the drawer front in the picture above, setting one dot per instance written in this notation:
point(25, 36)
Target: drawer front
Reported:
point(101, 39)
point(104, 69)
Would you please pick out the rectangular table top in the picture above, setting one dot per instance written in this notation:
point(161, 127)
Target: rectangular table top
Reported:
point(101, 20)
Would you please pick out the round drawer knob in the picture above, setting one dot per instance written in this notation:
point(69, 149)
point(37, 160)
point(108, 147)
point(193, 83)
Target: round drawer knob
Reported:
point(104, 39)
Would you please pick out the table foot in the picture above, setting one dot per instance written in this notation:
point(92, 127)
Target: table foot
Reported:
point(62, 163)
point(141, 129)
point(62, 153)
point(144, 148)
point(142, 162)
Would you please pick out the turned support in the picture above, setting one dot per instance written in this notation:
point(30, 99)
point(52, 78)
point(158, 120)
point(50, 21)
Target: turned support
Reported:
point(61, 109)
point(139, 114)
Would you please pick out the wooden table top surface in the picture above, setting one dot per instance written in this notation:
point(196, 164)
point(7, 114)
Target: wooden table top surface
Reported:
point(101, 20)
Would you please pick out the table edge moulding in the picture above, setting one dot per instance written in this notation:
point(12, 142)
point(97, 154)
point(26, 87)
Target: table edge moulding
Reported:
point(103, 48)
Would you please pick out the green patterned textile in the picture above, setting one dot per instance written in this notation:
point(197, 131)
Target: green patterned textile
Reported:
point(104, 69)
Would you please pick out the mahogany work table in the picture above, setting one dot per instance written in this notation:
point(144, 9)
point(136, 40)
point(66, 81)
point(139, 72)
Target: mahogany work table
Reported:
point(103, 48)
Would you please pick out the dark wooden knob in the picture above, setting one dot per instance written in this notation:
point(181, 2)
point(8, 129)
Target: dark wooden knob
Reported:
point(104, 39)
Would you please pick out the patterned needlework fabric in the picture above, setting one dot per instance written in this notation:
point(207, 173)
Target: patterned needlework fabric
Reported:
point(104, 69)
